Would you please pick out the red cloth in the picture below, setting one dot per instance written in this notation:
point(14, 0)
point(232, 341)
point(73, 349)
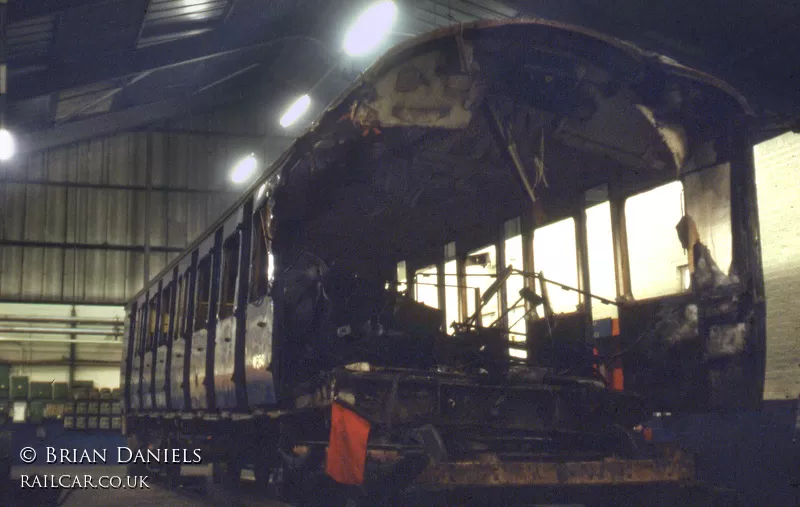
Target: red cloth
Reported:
point(347, 450)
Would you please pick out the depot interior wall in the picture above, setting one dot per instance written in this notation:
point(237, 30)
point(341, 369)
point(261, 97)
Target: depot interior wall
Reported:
point(90, 221)
point(21, 349)
point(778, 179)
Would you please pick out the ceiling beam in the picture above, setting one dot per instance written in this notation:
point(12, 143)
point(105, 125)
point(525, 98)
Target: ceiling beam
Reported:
point(101, 125)
point(126, 119)
point(20, 10)
point(174, 28)
point(218, 44)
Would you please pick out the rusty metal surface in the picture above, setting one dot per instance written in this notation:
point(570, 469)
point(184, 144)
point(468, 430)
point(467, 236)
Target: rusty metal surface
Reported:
point(419, 92)
point(676, 466)
point(640, 56)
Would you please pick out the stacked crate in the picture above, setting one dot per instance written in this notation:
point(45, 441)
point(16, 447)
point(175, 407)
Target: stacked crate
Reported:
point(19, 388)
point(81, 397)
point(81, 407)
point(41, 394)
point(56, 409)
point(93, 409)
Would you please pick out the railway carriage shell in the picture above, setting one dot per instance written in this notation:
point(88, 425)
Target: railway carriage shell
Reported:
point(598, 103)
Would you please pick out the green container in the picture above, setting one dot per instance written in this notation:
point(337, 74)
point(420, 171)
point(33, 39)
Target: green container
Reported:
point(69, 408)
point(69, 422)
point(19, 388)
point(60, 391)
point(93, 408)
point(41, 390)
point(5, 380)
point(83, 384)
point(36, 412)
point(105, 408)
point(104, 423)
point(116, 408)
point(80, 422)
point(82, 407)
point(116, 423)
point(91, 423)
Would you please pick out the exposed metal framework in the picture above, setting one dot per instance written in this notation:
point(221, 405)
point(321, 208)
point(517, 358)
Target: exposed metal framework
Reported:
point(55, 330)
point(61, 320)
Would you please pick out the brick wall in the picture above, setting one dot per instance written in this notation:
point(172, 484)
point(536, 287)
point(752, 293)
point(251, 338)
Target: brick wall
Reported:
point(778, 180)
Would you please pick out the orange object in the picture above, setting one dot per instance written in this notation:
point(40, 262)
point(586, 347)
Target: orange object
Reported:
point(648, 434)
point(617, 378)
point(347, 449)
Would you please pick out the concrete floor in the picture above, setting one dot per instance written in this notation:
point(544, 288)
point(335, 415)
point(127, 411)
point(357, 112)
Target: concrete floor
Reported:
point(198, 490)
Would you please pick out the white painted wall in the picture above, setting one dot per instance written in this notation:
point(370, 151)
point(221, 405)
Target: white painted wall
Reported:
point(778, 179)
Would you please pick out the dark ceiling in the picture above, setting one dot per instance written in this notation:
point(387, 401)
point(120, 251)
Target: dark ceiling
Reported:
point(85, 68)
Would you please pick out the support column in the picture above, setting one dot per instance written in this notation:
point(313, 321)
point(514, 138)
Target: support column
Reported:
point(72, 350)
point(582, 234)
point(147, 199)
point(3, 58)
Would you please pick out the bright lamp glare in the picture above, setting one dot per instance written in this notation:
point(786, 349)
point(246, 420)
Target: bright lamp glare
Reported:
point(295, 111)
point(6, 144)
point(244, 169)
point(370, 28)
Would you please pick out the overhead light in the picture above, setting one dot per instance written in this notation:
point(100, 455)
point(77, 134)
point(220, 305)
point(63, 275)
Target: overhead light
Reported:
point(370, 28)
point(244, 169)
point(6, 144)
point(295, 111)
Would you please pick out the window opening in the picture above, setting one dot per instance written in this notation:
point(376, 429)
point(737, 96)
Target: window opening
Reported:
point(230, 269)
point(203, 296)
point(555, 255)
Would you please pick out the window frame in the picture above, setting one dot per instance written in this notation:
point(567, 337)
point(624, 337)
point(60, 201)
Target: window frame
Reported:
point(180, 307)
point(426, 272)
point(166, 296)
point(203, 285)
point(626, 241)
point(152, 322)
point(260, 254)
point(578, 308)
point(230, 275)
point(140, 336)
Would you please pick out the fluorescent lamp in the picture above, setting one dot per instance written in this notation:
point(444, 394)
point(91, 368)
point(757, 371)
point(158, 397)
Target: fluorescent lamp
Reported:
point(370, 28)
point(244, 169)
point(6, 145)
point(295, 111)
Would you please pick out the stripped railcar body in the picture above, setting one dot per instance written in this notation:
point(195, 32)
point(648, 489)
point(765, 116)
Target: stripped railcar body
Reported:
point(452, 156)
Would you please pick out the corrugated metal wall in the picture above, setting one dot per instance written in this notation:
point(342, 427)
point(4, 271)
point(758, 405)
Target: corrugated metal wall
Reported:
point(95, 355)
point(78, 220)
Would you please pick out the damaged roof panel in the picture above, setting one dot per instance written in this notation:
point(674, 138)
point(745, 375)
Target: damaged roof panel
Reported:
point(620, 61)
